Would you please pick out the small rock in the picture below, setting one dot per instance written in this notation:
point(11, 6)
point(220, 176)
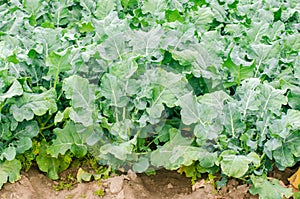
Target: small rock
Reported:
point(170, 186)
point(116, 184)
point(121, 195)
point(132, 176)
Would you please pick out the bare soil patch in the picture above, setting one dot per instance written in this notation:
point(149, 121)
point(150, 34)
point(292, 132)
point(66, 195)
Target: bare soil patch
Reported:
point(163, 185)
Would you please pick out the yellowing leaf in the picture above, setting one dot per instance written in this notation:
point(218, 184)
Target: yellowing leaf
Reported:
point(295, 179)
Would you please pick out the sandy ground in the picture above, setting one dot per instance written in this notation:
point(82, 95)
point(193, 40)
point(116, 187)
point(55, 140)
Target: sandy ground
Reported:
point(163, 185)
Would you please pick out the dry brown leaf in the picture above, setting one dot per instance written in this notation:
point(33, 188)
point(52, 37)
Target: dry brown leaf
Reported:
point(198, 185)
point(295, 179)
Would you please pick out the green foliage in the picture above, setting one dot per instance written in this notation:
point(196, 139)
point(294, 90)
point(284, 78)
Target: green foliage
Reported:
point(9, 171)
point(99, 192)
point(199, 86)
point(269, 189)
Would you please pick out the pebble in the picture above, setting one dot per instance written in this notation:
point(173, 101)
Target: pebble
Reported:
point(116, 184)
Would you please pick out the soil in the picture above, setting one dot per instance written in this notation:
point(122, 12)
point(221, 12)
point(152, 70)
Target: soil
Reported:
point(164, 185)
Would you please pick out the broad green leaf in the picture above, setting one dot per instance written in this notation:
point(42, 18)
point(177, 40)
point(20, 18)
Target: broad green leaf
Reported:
point(190, 109)
point(194, 112)
point(178, 37)
point(155, 7)
point(117, 154)
point(9, 171)
point(292, 119)
point(52, 166)
point(113, 90)
point(235, 165)
point(173, 15)
point(115, 47)
point(68, 139)
point(215, 100)
point(202, 18)
point(32, 5)
point(23, 144)
point(166, 88)
point(177, 152)
point(111, 25)
point(57, 63)
point(248, 95)
point(271, 145)
point(271, 99)
point(237, 72)
point(293, 143)
point(232, 120)
point(79, 91)
point(8, 153)
point(284, 157)
point(146, 43)
point(141, 166)
point(104, 7)
point(61, 15)
point(254, 158)
point(123, 70)
point(14, 90)
point(208, 159)
point(31, 104)
point(269, 189)
point(27, 129)
point(82, 95)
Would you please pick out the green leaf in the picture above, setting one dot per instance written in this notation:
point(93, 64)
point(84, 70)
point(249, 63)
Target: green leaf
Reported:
point(178, 37)
point(146, 43)
point(284, 157)
point(177, 152)
point(141, 166)
point(112, 89)
point(9, 171)
point(202, 18)
point(248, 95)
point(166, 89)
point(293, 143)
point(82, 95)
point(117, 154)
point(57, 63)
point(68, 138)
point(115, 47)
point(173, 15)
point(8, 153)
point(190, 109)
point(232, 120)
point(155, 7)
point(204, 63)
point(86, 27)
point(60, 116)
point(269, 189)
point(14, 90)
point(271, 99)
point(104, 7)
point(82, 175)
point(52, 166)
point(31, 104)
point(235, 165)
point(79, 91)
point(237, 72)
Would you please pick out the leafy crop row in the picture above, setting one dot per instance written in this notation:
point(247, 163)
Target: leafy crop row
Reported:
point(196, 85)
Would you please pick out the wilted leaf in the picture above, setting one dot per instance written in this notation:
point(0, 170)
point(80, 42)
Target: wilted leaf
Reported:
point(82, 175)
point(295, 179)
